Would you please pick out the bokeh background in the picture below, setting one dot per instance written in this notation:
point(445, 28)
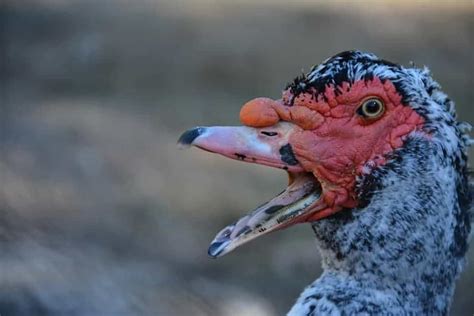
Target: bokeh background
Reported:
point(101, 214)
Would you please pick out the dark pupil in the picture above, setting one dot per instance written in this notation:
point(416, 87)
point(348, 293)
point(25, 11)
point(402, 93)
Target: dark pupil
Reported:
point(372, 107)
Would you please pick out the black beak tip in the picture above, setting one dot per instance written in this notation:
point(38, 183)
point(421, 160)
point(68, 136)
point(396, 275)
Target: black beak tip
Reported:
point(188, 137)
point(215, 249)
point(211, 255)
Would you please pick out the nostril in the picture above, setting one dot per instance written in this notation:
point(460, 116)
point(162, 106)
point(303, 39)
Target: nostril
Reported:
point(269, 133)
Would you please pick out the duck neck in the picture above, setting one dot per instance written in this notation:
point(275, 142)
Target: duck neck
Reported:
point(410, 238)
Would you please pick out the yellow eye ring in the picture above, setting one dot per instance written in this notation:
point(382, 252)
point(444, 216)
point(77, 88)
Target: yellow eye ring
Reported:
point(371, 108)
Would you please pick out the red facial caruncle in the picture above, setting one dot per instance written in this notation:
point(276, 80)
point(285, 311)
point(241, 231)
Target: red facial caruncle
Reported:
point(335, 141)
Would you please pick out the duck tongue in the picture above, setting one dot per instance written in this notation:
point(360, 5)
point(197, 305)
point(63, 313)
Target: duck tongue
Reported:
point(280, 212)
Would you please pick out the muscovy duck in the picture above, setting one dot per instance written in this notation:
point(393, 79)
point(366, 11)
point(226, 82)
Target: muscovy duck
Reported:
point(377, 163)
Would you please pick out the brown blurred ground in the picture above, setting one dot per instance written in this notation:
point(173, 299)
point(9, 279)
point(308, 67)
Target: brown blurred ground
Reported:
point(100, 214)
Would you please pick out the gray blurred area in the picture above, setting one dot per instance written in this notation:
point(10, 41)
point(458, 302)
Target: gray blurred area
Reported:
point(101, 214)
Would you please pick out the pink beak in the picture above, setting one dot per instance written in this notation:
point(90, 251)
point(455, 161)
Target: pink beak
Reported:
point(267, 146)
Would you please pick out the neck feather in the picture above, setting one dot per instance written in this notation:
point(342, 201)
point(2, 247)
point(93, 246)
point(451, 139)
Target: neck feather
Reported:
point(402, 249)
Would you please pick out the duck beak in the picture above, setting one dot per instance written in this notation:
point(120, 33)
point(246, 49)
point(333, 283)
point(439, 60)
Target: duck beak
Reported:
point(266, 146)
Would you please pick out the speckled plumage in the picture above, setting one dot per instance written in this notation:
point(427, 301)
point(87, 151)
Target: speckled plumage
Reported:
point(402, 249)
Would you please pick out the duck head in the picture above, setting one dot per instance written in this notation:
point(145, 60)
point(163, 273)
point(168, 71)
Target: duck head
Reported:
point(330, 130)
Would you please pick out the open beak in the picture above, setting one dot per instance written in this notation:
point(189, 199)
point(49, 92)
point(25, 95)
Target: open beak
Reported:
point(268, 146)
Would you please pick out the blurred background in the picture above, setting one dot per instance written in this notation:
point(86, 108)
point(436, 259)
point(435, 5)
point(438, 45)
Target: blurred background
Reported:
point(100, 214)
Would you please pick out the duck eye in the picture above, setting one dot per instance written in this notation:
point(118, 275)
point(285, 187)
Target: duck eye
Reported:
point(371, 108)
